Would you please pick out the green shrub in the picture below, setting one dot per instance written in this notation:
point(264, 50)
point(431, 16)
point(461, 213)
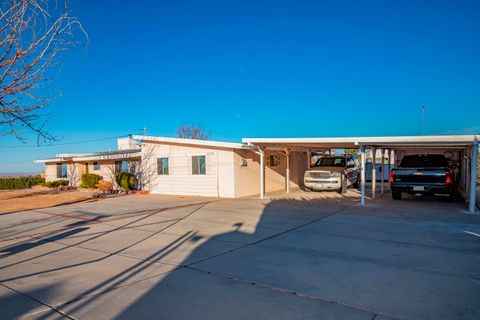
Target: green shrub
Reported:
point(55, 184)
point(89, 180)
point(20, 182)
point(125, 180)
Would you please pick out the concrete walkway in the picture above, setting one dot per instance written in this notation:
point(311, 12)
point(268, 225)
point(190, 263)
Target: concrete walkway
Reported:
point(301, 256)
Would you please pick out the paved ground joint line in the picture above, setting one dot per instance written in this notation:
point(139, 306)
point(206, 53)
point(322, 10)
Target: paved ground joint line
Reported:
point(272, 236)
point(39, 301)
point(303, 295)
point(91, 221)
point(118, 252)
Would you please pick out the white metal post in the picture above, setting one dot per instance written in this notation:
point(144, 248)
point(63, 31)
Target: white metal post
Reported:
point(261, 152)
point(391, 161)
point(468, 153)
point(287, 173)
point(374, 171)
point(473, 178)
point(382, 171)
point(362, 173)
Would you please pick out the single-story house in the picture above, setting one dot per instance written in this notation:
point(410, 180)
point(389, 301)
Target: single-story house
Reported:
point(213, 168)
point(177, 166)
point(71, 166)
point(256, 166)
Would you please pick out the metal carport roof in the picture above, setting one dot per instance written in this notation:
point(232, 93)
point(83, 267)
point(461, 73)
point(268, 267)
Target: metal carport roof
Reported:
point(468, 143)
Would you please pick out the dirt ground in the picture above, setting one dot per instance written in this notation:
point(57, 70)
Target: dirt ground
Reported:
point(27, 199)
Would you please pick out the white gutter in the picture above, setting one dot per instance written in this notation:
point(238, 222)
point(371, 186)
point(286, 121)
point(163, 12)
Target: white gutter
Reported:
point(113, 156)
point(414, 140)
point(196, 142)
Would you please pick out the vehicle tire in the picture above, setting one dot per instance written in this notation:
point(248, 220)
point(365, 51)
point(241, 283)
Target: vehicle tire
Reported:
point(396, 195)
point(343, 189)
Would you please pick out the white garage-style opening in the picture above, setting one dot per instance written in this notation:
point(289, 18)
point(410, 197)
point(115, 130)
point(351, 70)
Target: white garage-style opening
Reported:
point(462, 149)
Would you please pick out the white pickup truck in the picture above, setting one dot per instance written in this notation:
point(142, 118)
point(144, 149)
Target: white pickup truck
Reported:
point(333, 173)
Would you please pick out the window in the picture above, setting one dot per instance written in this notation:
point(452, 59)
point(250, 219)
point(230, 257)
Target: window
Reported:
point(273, 161)
point(96, 166)
point(162, 165)
point(331, 162)
point(133, 165)
point(198, 165)
point(121, 166)
point(424, 161)
point(61, 170)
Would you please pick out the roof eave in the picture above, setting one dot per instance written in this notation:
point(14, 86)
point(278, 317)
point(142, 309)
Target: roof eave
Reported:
point(192, 142)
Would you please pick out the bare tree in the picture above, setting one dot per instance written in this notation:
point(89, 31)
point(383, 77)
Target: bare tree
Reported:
point(33, 33)
point(192, 132)
point(72, 175)
point(146, 169)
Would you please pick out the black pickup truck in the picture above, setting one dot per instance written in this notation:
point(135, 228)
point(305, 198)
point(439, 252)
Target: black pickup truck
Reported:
point(422, 174)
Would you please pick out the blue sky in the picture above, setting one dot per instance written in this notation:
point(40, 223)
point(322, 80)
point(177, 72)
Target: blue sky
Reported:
point(264, 69)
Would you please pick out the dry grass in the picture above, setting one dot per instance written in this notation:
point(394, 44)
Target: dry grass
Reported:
point(18, 200)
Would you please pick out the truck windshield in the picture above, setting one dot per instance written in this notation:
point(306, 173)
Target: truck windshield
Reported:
point(424, 161)
point(331, 162)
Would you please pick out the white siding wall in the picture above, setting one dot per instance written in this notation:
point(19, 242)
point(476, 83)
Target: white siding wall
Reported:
point(218, 180)
point(51, 172)
point(106, 172)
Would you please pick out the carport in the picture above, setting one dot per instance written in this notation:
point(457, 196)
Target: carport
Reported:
point(463, 148)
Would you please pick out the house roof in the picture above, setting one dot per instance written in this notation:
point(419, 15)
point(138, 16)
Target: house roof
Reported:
point(355, 142)
point(191, 142)
point(114, 155)
point(49, 160)
point(105, 155)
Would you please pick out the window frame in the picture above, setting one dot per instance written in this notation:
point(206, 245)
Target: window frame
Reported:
point(62, 170)
point(197, 166)
point(119, 166)
point(96, 166)
point(163, 170)
point(273, 160)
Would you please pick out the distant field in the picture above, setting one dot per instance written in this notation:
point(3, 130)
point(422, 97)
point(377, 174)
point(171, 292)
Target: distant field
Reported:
point(18, 174)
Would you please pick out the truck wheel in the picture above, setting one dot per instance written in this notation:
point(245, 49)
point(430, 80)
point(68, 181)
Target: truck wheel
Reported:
point(397, 195)
point(343, 189)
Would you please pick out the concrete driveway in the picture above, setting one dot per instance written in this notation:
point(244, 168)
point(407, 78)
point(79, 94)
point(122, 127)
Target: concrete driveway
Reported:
point(305, 256)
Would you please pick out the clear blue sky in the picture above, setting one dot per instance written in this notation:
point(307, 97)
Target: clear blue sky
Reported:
point(264, 69)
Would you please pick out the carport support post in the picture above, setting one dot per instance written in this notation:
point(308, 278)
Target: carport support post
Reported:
point(261, 152)
point(473, 177)
point(374, 171)
point(287, 173)
point(362, 174)
point(309, 154)
point(382, 171)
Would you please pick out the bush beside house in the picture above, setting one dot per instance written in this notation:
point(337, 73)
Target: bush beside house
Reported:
point(20, 182)
point(125, 180)
point(89, 180)
point(55, 184)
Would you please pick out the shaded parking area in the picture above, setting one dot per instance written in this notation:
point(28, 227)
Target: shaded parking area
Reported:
point(296, 256)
